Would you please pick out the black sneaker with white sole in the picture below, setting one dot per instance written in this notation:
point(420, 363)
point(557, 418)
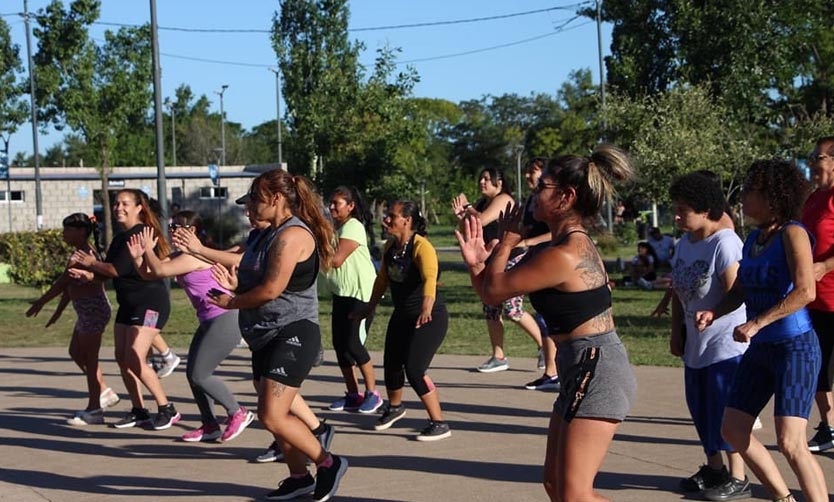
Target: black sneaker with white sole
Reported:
point(435, 431)
point(292, 488)
point(166, 417)
point(135, 417)
point(732, 489)
point(823, 439)
point(327, 478)
point(389, 417)
point(272, 454)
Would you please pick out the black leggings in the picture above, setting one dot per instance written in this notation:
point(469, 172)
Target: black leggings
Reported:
point(346, 340)
point(409, 351)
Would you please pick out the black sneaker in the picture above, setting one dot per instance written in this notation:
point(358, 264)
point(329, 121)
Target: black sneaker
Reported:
point(389, 416)
point(732, 489)
point(292, 488)
point(705, 478)
point(823, 439)
point(544, 382)
point(435, 431)
point(166, 417)
point(272, 454)
point(325, 436)
point(135, 417)
point(327, 478)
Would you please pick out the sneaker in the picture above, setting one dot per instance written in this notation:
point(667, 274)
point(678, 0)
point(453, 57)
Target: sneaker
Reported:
point(272, 454)
point(732, 489)
point(319, 358)
point(540, 361)
point(108, 398)
point(545, 382)
point(325, 437)
point(327, 478)
point(168, 365)
point(135, 417)
point(494, 364)
point(351, 402)
point(435, 431)
point(292, 488)
point(705, 478)
point(371, 402)
point(823, 439)
point(206, 432)
point(238, 422)
point(92, 417)
point(166, 417)
point(389, 417)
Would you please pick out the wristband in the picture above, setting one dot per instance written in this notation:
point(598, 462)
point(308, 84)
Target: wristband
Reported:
point(466, 206)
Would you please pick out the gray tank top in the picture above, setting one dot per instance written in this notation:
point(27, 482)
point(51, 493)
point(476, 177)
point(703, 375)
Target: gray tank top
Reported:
point(260, 325)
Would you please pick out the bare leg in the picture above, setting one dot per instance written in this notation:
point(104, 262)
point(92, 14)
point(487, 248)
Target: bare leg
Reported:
point(790, 435)
point(735, 464)
point(825, 405)
point(84, 350)
point(369, 376)
point(737, 430)
point(496, 337)
point(432, 403)
point(140, 339)
point(395, 397)
point(130, 380)
point(549, 352)
point(531, 327)
point(351, 383)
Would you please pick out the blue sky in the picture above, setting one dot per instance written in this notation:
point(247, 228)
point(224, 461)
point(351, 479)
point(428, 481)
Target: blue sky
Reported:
point(521, 66)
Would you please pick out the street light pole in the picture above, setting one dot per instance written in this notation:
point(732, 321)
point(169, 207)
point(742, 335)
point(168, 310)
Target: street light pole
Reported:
point(222, 125)
point(609, 209)
point(38, 198)
point(519, 150)
point(172, 107)
point(277, 73)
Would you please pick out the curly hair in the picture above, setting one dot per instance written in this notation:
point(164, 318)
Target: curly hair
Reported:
point(699, 192)
point(782, 184)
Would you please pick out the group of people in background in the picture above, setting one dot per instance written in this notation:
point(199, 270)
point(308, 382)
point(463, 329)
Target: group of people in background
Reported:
point(750, 320)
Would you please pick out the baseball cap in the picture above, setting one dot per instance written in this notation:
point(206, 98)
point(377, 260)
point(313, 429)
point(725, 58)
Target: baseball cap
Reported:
point(243, 199)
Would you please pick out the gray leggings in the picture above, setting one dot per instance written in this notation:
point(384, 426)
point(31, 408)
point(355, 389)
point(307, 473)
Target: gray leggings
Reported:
point(213, 341)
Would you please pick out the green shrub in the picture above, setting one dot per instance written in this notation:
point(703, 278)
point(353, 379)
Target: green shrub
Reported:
point(35, 258)
point(626, 232)
point(607, 243)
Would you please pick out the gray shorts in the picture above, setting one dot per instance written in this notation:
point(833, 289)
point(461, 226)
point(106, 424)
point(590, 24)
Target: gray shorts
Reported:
point(597, 379)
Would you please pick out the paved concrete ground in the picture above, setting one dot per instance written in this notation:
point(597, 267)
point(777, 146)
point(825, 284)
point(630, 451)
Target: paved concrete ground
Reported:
point(495, 452)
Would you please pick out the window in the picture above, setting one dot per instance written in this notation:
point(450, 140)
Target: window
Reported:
point(214, 193)
point(17, 196)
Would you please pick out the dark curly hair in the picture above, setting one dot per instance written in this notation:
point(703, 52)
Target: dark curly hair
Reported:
point(699, 192)
point(782, 184)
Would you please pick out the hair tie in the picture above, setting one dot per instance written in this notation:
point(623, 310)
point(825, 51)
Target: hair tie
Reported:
point(92, 218)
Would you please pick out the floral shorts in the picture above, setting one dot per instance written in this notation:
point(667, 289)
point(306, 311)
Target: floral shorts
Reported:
point(93, 313)
point(513, 307)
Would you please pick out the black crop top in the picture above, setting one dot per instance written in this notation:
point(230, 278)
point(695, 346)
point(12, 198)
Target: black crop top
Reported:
point(564, 311)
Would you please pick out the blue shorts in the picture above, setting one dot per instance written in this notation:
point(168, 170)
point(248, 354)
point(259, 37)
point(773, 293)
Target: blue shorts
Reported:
point(786, 369)
point(707, 390)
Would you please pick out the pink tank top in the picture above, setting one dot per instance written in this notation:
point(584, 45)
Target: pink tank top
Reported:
point(196, 285)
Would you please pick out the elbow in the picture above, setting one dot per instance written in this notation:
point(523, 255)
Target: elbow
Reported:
point(808, 294)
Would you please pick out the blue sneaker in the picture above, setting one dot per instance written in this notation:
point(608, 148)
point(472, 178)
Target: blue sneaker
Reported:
point(371, 403)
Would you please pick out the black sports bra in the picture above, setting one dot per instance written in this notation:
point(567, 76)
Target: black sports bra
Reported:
point(564, 311)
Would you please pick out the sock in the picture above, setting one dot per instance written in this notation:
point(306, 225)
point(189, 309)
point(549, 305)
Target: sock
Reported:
point(318, 431)
point(327, 462)
point(167, 354)
point(299, 475)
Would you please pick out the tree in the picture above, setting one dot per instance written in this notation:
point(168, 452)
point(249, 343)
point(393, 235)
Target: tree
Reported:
point(13, 109)
point(96, 91)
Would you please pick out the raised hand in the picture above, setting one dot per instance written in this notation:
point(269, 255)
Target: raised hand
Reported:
point(459, 206)
point(149, 239)
point(186, 240)
point(81, 258)
point(136, 246)
point(80, 274)
point(473, 249)
point(224, 277)
point(509, 224)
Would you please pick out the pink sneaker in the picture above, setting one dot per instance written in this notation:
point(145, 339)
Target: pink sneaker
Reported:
point(206, 432)
point(238, 422)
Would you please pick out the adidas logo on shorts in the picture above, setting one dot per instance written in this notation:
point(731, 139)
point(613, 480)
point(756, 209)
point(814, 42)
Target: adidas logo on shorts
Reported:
point(294, 341)
point(278, 371)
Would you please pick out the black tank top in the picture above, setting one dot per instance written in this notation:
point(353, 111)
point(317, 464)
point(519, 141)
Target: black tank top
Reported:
point(564, 311)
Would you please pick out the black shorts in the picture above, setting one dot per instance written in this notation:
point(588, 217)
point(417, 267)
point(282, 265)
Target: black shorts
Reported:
point(151, 313)
point(823, 323)
point(289, 356)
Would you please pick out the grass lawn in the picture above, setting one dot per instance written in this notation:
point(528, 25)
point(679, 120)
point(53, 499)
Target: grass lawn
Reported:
point(646, 338)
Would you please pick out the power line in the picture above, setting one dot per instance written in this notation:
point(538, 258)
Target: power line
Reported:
point(561, 29)
point(371, 28)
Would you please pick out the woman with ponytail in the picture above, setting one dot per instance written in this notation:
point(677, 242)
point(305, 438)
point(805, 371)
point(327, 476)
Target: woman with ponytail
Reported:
point(568, 286)
point(93, 309)
point(275, 290)
point(144, 306)
point(419, 322)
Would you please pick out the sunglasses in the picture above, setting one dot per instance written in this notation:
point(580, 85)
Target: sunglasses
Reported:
point(540, 186)
point(175, 226)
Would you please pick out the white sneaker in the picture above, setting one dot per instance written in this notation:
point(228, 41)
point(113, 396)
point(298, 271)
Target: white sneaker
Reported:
point(82, 418)
point(108, 398)
point(757, 424)
point(168, 365)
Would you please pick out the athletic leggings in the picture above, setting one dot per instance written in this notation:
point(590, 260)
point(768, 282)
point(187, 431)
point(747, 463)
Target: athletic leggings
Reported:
point(409, 350)
point(214, 340)
point(346, 332)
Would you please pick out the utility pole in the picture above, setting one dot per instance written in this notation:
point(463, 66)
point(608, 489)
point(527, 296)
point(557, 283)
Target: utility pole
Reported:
point(33, 106)
point(222, 125)
point(161, 188)
point(519, 149)
point(4, 163)
point(172, 107)
point(608, 204)
point(277, 72)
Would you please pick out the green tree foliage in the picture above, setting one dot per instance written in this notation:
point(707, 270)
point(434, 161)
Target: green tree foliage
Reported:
point(13, 109)
point(97, 91)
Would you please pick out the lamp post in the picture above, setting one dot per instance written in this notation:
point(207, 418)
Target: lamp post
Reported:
point(277, 73)
point(34, 110)
point(172, 108)
point(609, 210)
point(519, 149)
point(222, 125)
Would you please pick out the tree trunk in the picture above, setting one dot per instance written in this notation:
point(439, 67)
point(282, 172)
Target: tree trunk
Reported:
point(105, 198)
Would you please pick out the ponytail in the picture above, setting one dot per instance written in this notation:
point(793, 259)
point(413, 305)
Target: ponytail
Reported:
point(309, 208)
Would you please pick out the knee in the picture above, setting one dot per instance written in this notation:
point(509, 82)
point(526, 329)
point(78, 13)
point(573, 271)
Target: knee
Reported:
point(792, 447)
point(735, 436)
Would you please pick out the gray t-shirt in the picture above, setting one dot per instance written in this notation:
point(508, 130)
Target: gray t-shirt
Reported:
point(696, 276)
